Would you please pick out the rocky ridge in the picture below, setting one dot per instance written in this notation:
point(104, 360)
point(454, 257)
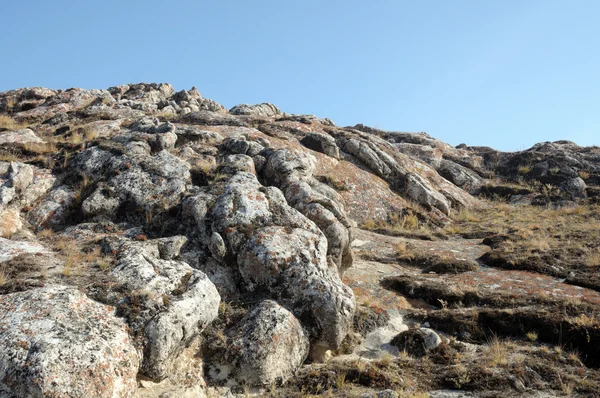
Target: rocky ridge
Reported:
point(159, 209)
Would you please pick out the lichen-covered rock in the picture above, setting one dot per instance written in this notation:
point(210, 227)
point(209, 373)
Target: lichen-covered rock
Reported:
point(281, 254)
point(417, 342)
point(321, 143)
point(103, 201)
point(417, 180)
point(460, 176)
point(20, 176)
point(10, 222)
point(53, 209)
point(23, 136)
point(265, 347)
point(264, 109)
point(12, 248)
point(293, 172)
point(193, 302)
point(421, 192)
point(574, 187)
point(56, 342)
point(290, 263)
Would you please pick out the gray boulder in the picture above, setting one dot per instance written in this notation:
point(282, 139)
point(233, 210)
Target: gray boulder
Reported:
point(53, 209)
point(290, 263)
point(23, 136)
point(321, 143)
point(575, 187)
point(266, 347)
point(460, 176)
point(56, 342)
point(193, 302)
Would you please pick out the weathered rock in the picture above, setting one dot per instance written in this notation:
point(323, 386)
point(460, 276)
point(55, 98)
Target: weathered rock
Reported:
point(217, 247)
point(292, 171)
point(191, 134)
point(380, 394)
point(20, 176)
point(193, 303)
point(23, 136)
point(53, 209)
point(264, 109)
point(321, 143)
point(103, 201)
point(282, 255)
point(460, 176)
point(421, 192)
point(266, 347)
point(10, 222)
point(56, 342)
point(417, 342)
point(290, 263)
point(240, 145)
point(575, 187)
point(13, 248)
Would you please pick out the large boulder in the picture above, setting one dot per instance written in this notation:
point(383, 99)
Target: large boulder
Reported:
point(290, 263)
point(56, 342)
point(178, 303)
point(265, 347)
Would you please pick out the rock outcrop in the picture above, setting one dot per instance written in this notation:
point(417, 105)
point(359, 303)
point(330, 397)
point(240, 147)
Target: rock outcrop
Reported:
point(173, 210)
point(266, 347)
point(56, 342)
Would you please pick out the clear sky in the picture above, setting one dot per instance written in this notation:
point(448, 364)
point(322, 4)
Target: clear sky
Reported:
point(503, 73)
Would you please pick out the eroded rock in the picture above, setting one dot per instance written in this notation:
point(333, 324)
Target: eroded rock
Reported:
point(56, 342)
point(266, 347)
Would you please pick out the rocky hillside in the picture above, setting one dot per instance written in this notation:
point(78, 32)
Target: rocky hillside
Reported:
point(156, 244)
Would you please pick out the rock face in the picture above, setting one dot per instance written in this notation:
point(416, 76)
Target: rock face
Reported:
point(56, 342)
point(267, 347)
point(293, 172)
point(193, 302)
point(174, 204)
point(283, 254)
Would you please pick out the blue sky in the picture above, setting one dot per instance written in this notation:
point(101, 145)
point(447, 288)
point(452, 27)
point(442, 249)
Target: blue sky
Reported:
point(506, 74)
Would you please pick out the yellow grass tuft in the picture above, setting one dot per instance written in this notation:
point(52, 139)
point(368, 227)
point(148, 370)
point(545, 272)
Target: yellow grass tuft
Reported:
point(497, 352)
point(8, 123)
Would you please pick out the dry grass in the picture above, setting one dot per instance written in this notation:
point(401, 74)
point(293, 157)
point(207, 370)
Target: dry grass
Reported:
point(385, 361)
point(8, 123)
point(496, 353)
point(402, 250)
point(524, 169)
point(592, 259)
point(3, 276)
point(584, 174)
point(532, 336)
point(73, 258)
point(566, 236)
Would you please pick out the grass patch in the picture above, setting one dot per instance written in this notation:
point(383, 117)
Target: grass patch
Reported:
point(10, 124)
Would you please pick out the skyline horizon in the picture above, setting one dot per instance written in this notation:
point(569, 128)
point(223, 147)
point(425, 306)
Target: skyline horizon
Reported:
point(229, 106)
point(505, 75)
